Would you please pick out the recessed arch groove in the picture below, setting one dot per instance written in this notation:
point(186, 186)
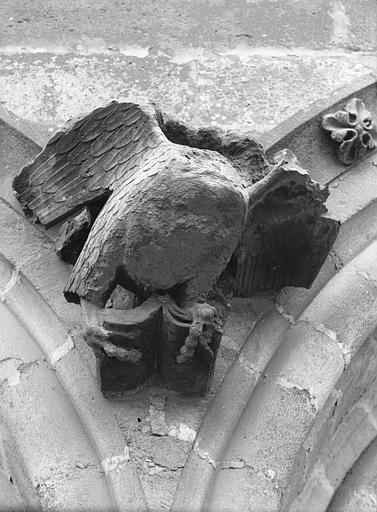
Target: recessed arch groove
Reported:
point(61, 362)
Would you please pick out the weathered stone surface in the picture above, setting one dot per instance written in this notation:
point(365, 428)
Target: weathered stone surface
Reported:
point(256, 486)
point(242, 63)
point(158, 334)
point(316, 25)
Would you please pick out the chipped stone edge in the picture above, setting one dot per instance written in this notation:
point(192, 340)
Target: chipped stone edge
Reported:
point(202, 454)
point(115, 462)
point(12, 282)
point(61, 351)
point(13, 376)
point(183, 432)
point(10, 376)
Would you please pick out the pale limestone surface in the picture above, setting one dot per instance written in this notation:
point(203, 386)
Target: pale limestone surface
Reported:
point(245, 63)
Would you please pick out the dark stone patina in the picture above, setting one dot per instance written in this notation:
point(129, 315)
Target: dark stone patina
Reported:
point(178, 215)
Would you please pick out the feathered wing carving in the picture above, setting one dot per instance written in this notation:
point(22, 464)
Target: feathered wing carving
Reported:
point(287, 234)
point(88, 160)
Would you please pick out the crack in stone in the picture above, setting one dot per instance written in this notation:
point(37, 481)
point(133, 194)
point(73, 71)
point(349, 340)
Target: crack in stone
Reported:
point(323, 330)
point(154, 467)
point(279, 308)
point(86, 465)
point(269, 474)
point(236, 464)
point(287, 384)
point(43, 485)
point(332, 335)
point(182, 432)
point(204, 456)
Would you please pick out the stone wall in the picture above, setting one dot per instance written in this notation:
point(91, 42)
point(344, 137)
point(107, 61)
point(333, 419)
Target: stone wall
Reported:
point(242, 63)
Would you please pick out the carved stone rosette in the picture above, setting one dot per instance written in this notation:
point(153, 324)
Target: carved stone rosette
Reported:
point(353, 129)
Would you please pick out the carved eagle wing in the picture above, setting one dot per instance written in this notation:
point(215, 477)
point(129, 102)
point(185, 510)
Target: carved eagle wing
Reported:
point(287, 234)
point(85, 162)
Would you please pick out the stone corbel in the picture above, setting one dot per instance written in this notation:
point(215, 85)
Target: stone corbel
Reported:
point(183, 219)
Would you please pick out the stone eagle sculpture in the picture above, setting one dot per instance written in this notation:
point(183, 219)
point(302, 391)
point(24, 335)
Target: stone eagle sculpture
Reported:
point(181, 211)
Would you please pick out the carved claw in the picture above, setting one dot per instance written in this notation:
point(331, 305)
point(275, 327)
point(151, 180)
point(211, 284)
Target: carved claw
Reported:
point(98, 338)
point(205, 322)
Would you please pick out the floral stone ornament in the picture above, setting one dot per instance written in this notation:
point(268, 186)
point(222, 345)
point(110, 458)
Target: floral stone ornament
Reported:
point(177, 217)
point(353, 129)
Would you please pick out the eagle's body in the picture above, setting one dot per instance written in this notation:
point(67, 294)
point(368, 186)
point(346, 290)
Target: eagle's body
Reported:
point(175, 224)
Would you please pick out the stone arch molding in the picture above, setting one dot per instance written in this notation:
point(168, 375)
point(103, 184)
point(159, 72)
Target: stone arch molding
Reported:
point(45, 384)
point(301, 388)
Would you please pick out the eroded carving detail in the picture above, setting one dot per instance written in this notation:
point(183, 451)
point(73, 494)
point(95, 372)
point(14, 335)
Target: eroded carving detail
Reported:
point(187, 214)
point(353, 129)
point(204, 323)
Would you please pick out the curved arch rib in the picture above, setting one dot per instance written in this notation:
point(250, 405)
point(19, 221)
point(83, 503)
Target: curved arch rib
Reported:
point(79, 387)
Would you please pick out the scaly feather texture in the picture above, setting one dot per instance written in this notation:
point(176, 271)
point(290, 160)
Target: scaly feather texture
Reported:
point(93, 157)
